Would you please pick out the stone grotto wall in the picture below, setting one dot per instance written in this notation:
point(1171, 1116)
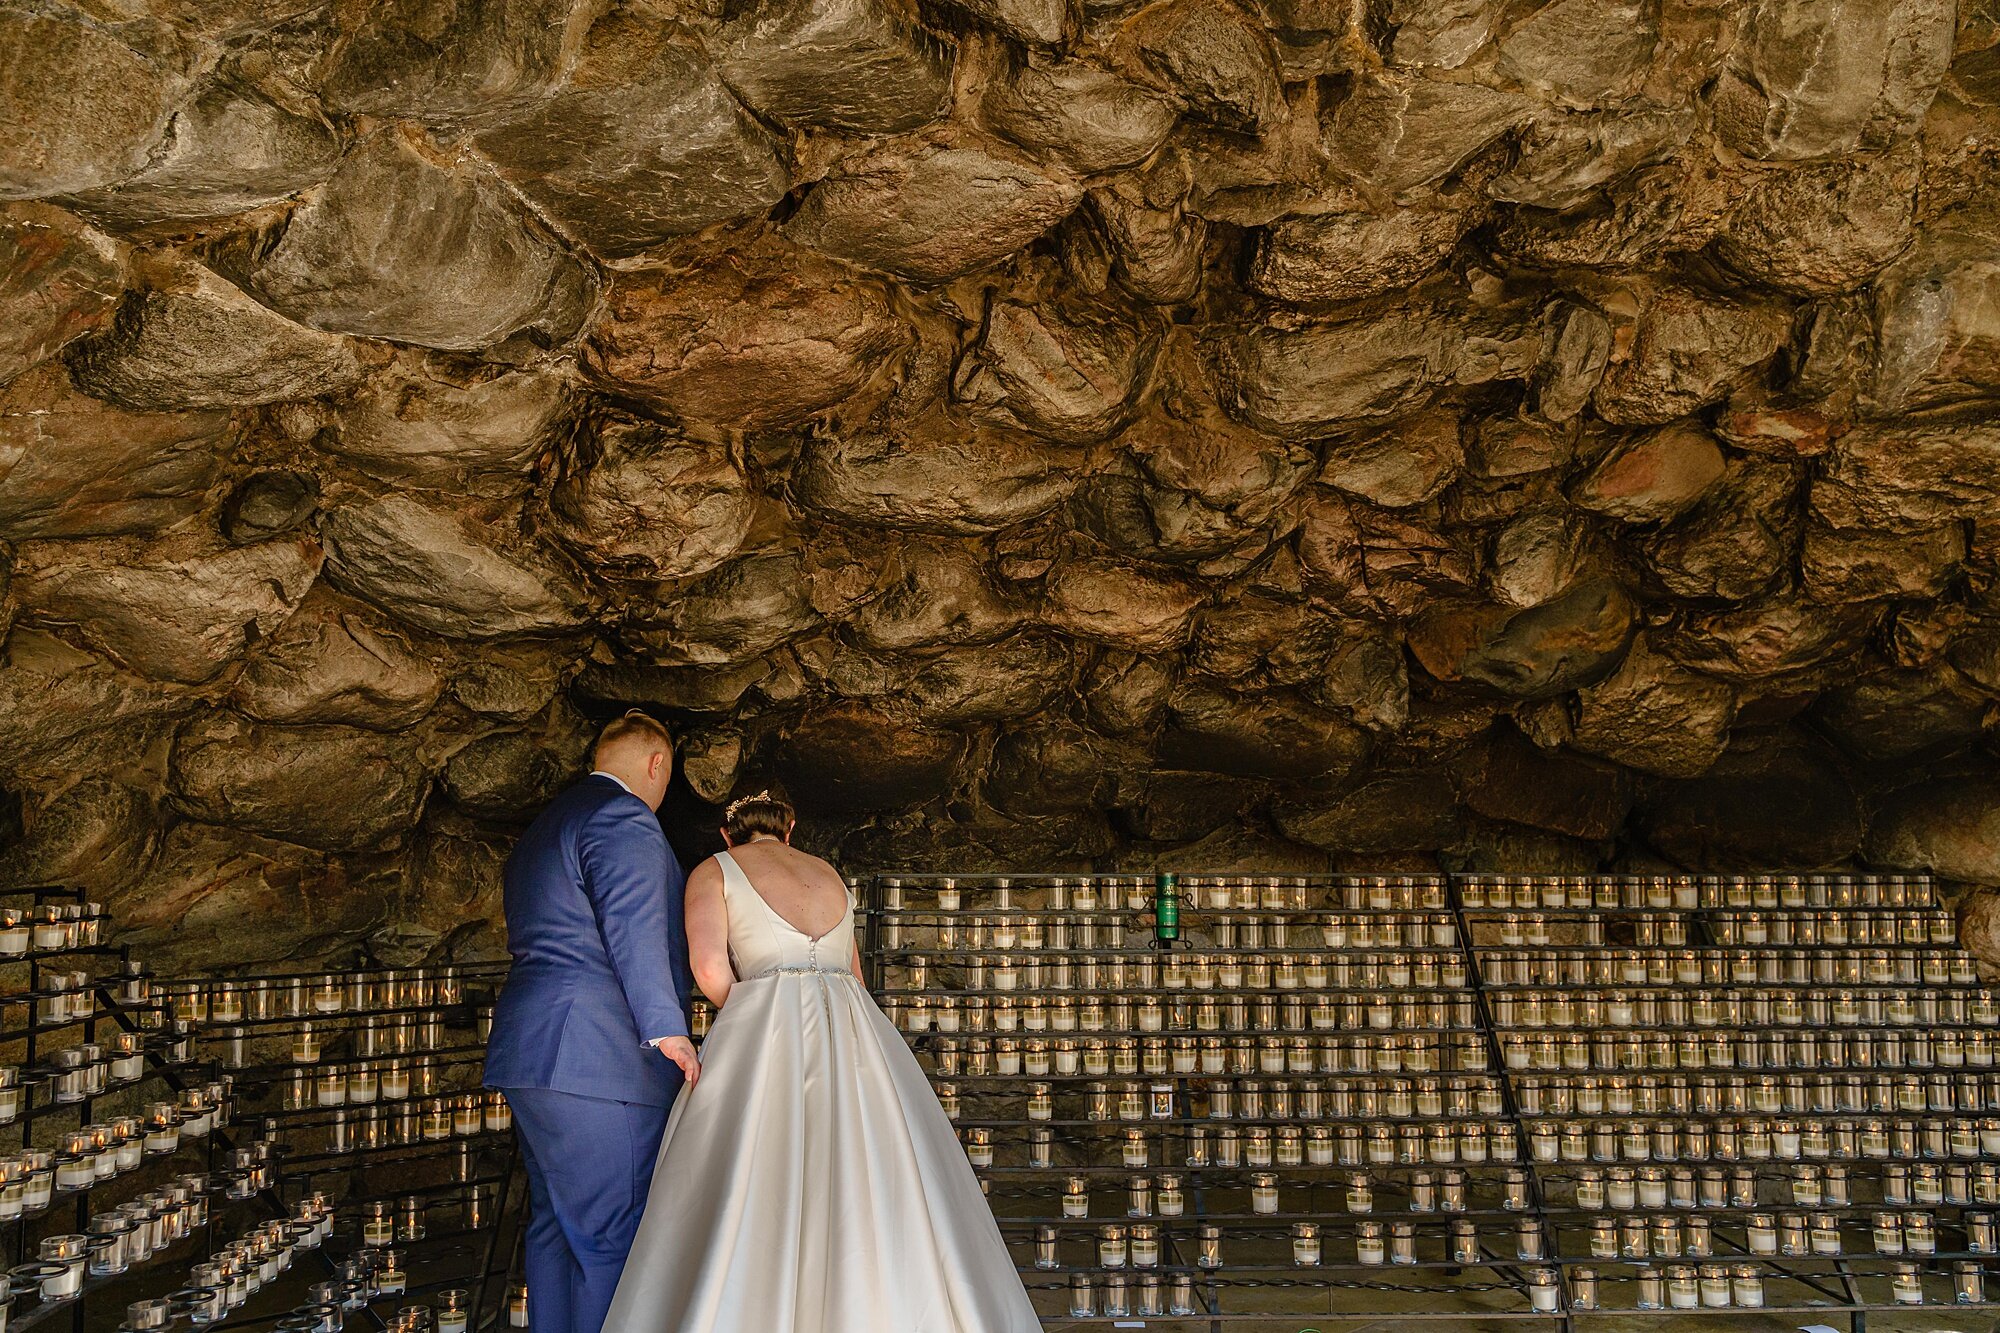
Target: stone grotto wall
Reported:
point(1369, 433)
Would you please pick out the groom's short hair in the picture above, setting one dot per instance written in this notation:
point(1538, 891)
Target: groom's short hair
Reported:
point(630, 732)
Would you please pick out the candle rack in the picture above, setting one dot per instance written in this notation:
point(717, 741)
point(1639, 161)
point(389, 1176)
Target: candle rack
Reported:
point(1557, 1098)
point(125, 1097)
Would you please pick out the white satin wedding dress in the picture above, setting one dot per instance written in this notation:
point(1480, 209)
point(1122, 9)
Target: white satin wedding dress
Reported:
point(809, 1182)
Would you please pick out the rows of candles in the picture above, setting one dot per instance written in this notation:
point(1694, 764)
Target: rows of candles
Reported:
point(1669, 1081)
point(367, 1045)
point(366, 1082)
point(1741, 1070)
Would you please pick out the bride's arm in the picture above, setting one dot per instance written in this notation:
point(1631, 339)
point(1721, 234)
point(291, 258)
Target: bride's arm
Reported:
point(707, 923)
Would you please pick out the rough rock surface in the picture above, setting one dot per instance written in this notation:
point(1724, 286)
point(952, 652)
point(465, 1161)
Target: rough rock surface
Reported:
point(742, 341)
point(437, 571)
point(416, 247)
point(643, 143)
point(932, 210)
point(1511, 434)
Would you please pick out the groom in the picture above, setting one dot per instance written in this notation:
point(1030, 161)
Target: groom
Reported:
point(590, 1035)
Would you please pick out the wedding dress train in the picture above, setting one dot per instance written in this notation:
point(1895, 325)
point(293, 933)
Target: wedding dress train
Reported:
point(809, 1182)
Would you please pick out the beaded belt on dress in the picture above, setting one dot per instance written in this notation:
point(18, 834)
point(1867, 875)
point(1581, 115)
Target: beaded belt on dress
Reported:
point(801, 970)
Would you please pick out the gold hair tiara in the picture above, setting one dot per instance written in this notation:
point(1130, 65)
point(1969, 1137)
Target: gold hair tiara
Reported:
point(742, 801)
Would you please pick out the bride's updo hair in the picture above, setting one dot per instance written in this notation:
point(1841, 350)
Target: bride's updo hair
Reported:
point(765, 812)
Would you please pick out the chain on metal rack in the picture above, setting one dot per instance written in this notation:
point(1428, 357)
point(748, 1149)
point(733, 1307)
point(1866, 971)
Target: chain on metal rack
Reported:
point(1567, 1096)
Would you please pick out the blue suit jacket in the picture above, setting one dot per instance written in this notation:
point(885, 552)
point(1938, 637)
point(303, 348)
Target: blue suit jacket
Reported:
point(594, 899)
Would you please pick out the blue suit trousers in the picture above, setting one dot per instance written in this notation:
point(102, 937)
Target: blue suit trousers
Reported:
point(589, 1162)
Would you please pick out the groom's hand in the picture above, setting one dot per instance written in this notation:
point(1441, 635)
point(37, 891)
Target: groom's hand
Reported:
point(681, 1051)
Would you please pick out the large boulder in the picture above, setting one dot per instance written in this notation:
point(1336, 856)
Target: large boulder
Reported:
point(1329, 257)
point(1256, 636)
point(1937, 334)
point(936, 474)
point(63, 711)
point(1771, 800)
point(1393, 812)
point(329, 664)
point(935, 593)
point(190, 340)
point(1146, 243)
point(334, 788)
point(1653, 715)
point(1735, 542)
point(842, 64)
point(756, 339)
point(1070, 375)
point(1404, 463)
point(1582, 52)
point(1084, 118)
point(1256, 735)
point(1676, 350)
point(451, 62)
point(1121, 605)
point(507, 776)
point(1652, 477)
point(97, 835)
point(218, 892)
point(1567, 161)
point(1902, 478)
point(169, 615)
point(1213, 57)
point(1808, 80)
point(1052, 768)
point(72, 466)
point(1507, 778)
point(1866, 564)
point(1948, 825)
point(1399, 134)
point(1210, 482)
point(1781, 633)
point(1016, 678)
point(745, 608)
point(58, 280)
point(1903, 716)
point(649, 503)
point(643, 143)
point(227, 150)
point(933, 208)
point(853, 758)
point(1573, 640)
point(1298, 381)
point(418, 245)
point(1537, 556)
point(1824, 227)
point(439, 424)
point(444, 572)
point(82, 100)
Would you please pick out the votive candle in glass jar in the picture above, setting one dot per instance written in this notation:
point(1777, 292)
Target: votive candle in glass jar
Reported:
point(305, 1045)
point(1264, 1193)
point(1305, 1245)
point(453, 1314)
point(1369, 1247)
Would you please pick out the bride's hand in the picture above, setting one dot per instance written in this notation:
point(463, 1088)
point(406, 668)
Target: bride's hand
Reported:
point(681, 1051)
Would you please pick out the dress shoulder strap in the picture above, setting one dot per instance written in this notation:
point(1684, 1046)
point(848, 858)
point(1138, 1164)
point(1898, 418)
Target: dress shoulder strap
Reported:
point(734, 881)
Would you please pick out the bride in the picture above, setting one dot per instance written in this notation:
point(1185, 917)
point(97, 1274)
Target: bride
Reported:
point(808, 1181)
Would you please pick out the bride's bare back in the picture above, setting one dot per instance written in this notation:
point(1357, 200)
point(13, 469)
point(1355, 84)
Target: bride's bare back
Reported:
point(799, 887)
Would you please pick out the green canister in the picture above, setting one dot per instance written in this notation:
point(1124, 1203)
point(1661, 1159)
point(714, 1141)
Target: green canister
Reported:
point(1166, 909)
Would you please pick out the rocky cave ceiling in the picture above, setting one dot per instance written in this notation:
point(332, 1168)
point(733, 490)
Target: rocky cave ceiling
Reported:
point(1550, 434)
